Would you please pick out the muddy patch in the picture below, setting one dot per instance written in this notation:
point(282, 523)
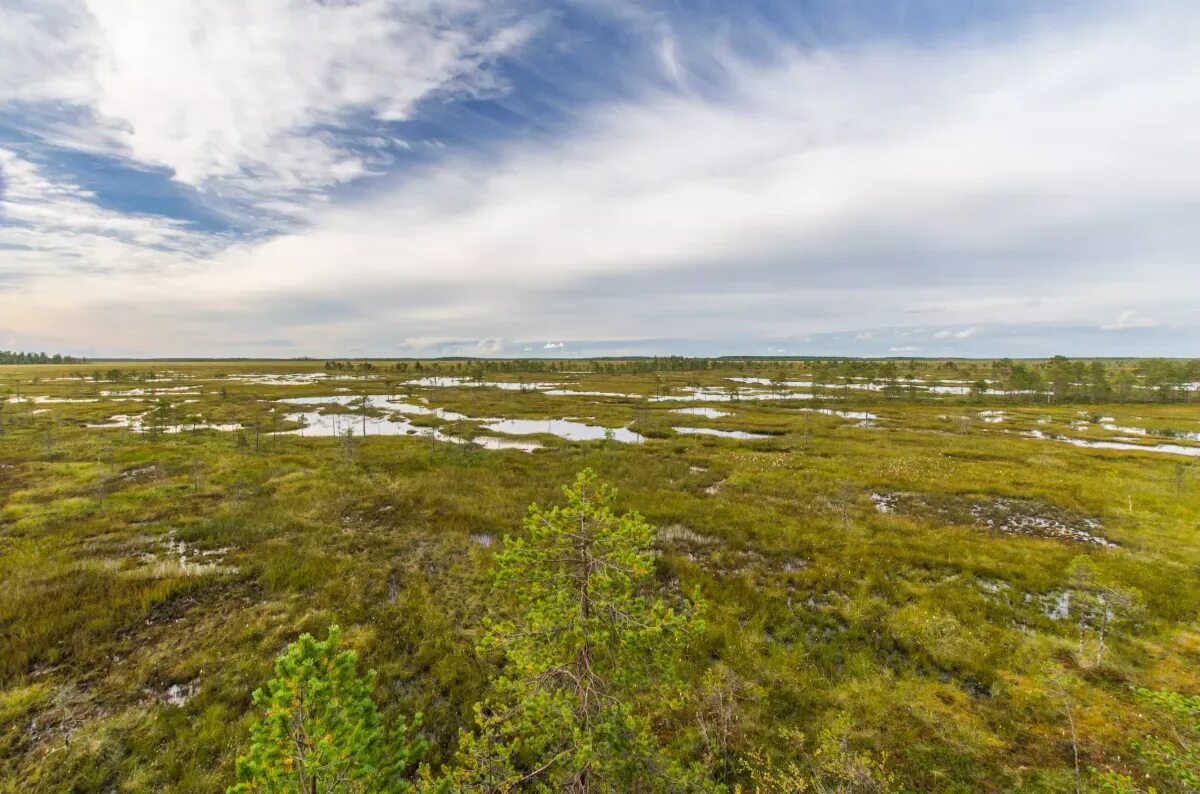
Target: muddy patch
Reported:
point(176, 695)
point(1025, 517)
point(885, 502)
point(1055, 605)
point(170, 557)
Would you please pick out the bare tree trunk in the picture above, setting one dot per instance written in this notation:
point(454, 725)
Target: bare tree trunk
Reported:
point(1074, 739)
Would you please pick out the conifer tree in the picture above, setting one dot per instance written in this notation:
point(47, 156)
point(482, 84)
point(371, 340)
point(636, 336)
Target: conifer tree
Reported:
point(319, 731)
point(590, 659)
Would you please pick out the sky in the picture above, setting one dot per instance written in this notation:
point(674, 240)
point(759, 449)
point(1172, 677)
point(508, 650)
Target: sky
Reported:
point(344, 178)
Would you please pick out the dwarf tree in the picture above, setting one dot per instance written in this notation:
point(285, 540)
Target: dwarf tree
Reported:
point(590, 658)
point(319, 731)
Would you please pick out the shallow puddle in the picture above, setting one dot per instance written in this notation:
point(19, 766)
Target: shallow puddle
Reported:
point(46, 399)
point(1125, 446)
point(263, 379)
point(1143, 431)
point(717, 394)
point(564, 428)
point(150, 392)
point(1129, 446)
point(449, 381)
point(318, 425)
point(863, 416)
point(572, 393)
point(700, 410)
point(331, 399)
point(381, 403)
point(708, 431)
point(138, 423)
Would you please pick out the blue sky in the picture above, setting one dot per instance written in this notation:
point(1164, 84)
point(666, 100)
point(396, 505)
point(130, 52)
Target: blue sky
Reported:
point(442, 177)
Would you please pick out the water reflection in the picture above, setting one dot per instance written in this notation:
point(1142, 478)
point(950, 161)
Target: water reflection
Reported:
point(1126, 446)
point(564, 428)
point(700, 410)
point(708, 431)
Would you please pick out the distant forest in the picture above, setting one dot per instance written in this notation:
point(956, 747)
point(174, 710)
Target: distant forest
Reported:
point(13, 357)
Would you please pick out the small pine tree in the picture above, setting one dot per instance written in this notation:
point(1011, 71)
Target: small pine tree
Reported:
point(319, 731)
point(590, 659)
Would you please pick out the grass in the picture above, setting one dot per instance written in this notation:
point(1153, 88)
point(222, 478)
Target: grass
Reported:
point(930, 629)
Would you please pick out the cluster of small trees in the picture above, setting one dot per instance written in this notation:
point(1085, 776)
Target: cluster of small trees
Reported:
point(15, 357)
point(583, 698)
point(351, 366)
point(1057, 379)
point(369, 366)
point(1062, 380)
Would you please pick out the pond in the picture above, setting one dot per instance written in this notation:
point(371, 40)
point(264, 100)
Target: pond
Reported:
point(378, 402)
point(139, 423)
point(700, 410)
point(718, 394)
point(708, 431)
point(563, 428)
point(863, 416)
point(317, 425)
point(1126, 446)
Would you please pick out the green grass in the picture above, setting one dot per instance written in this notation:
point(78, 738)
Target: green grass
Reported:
point(929, 629)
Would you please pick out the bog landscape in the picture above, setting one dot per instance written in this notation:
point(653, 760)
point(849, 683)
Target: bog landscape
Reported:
point(847, 576)
point(599, 397)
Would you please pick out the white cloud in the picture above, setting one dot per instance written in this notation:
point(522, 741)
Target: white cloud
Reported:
point(448, 345)
point(423, 343)
point(54, 231)
point(245, 98)
point(1129, 319)
point(904, 349)
point(951, 150)
point(965, 333)
point(553, 345)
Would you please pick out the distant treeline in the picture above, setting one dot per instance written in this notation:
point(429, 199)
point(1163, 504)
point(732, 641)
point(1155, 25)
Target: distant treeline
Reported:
point(14, 357)
point(485, 365)
point(1057, 379)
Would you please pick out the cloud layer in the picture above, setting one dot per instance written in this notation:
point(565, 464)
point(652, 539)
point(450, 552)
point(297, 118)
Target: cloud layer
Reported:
point(1001, 190)
point(262, 100)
